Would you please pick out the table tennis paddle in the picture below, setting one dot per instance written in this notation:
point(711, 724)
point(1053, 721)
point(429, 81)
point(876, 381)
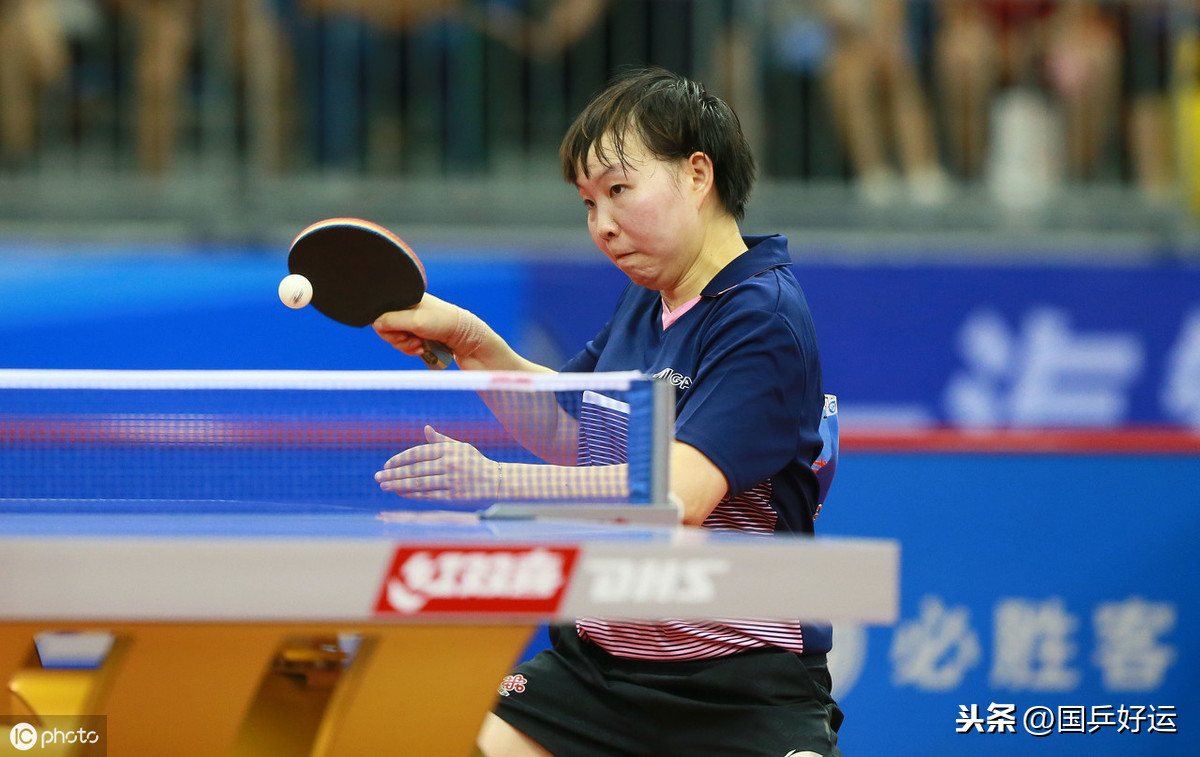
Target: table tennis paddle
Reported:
point(359, 271)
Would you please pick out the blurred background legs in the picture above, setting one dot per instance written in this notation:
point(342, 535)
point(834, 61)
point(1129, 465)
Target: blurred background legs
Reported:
point(1083, 69)
point(863, 108)
point(33, 57)
point(879, 102)
point(967, 72)
point(165, 30)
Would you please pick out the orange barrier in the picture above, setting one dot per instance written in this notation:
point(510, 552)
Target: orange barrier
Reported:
point(279, 689)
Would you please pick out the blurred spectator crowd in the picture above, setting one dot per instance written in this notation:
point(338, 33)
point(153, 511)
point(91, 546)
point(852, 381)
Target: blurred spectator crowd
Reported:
point(908, 99)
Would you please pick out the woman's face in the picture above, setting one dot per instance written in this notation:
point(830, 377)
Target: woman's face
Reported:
point(640, 214)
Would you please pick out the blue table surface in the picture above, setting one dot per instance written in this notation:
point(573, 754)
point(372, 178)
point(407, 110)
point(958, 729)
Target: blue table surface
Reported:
point(258, 520)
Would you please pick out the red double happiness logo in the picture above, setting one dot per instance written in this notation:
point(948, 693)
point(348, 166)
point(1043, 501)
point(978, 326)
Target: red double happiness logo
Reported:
point(462, 580)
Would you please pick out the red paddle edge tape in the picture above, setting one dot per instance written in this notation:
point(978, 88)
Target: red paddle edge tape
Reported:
point(366, 226)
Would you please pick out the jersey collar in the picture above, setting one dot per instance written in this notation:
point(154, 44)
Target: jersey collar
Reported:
point(763, 253)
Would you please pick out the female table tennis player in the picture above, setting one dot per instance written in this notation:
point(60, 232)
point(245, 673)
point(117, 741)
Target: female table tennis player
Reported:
point(664, 172)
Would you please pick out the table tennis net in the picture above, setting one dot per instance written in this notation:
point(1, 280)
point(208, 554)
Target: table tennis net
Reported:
point(298, 438)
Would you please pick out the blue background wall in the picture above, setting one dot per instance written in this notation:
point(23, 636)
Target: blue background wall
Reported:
point(922, 344)
point(1057, 537)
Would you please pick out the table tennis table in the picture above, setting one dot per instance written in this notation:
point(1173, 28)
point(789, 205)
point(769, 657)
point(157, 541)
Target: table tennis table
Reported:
point(342, 631)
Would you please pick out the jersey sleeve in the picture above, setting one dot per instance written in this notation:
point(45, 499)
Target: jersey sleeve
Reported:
point(755, 404)
point(587, 358)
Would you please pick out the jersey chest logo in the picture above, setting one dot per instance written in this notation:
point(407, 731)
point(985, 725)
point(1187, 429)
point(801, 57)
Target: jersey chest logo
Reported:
point(677, 379)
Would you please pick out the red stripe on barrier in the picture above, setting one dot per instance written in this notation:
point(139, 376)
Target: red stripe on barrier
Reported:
point(356, 432)
point(1137, 440)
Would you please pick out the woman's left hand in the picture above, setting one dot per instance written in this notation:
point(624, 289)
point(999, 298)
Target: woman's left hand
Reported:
point(442, 469)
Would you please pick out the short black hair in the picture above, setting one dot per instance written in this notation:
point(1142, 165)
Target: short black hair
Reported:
point(674, 117)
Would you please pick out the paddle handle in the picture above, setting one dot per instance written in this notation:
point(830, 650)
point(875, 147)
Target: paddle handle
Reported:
point(437, 356)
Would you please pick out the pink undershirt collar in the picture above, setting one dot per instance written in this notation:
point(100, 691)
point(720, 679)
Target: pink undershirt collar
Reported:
point(670, 316)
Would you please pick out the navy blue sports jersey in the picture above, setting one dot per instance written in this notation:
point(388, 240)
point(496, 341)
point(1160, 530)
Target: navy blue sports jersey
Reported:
point(745, 366)
point(747, 373)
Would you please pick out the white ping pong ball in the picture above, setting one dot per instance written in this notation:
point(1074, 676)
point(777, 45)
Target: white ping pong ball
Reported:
point(295, 291)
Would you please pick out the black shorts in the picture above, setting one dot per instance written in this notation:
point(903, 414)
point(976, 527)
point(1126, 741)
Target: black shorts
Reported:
point(576, 700)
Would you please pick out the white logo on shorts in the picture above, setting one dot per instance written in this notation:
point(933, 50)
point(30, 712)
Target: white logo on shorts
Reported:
point(512, 684)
